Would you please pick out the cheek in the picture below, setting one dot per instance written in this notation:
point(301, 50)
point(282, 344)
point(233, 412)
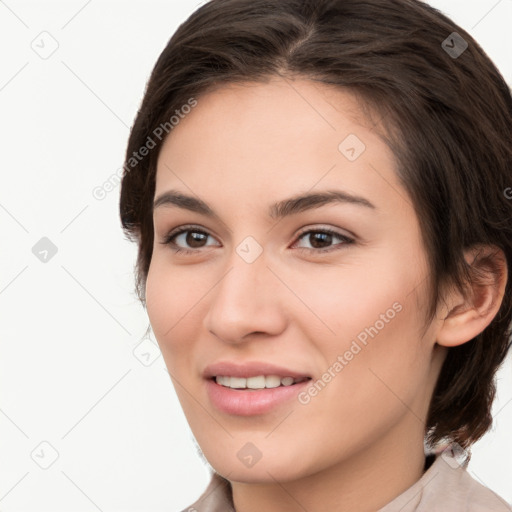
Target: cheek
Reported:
point(176, 307)
point(167, 303)
point(368, 333)
point(158, 295)
point(356, 300)
point(383, 363)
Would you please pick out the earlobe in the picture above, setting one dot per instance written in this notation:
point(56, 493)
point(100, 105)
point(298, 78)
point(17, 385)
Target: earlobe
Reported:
point(462, 320)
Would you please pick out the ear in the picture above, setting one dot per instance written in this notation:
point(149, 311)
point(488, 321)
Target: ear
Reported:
point(462, 320)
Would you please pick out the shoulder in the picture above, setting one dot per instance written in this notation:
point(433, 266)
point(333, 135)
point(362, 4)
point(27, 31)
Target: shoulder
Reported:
point(479, 498)
point(217, 497)
point(447, 486)
point(457, 489)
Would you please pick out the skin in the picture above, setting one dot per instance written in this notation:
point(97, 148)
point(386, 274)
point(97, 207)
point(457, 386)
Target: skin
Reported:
point(242, 148)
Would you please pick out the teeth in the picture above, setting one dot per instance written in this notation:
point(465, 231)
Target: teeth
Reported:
point(259, 382)
point(236, 382)
point(272, 381)
point(224, 381)
point(255, 382)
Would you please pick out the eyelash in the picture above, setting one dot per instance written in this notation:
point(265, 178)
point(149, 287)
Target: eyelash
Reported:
point(168, 240)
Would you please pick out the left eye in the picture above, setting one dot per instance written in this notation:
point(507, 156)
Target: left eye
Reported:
point(323, 236)
point(194, 238)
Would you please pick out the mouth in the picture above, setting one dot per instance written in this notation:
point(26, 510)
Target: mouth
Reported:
point(258, 382)
point(250, 396)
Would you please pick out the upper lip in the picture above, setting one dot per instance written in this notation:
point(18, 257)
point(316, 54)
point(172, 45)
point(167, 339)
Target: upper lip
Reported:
point(249, 369)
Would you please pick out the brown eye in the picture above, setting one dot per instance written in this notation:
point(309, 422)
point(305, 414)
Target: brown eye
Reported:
point(195, 238)
point(187, 239)
point(321, 240)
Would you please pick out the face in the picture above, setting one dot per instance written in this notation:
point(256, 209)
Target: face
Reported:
point(332, 288)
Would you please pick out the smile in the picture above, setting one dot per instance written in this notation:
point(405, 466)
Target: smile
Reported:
point(257, 382)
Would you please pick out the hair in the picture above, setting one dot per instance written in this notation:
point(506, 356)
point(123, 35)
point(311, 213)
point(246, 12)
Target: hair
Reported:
point(447, 119)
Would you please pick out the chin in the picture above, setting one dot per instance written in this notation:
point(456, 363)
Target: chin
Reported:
point(264, 471)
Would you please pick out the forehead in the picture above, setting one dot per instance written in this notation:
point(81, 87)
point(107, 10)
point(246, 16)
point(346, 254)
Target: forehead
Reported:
point(282, 136)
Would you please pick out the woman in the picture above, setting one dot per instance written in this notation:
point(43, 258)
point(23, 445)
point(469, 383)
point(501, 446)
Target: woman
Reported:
point(318, 190)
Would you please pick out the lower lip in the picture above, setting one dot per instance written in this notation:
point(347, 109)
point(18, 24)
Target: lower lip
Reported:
point(251, 402)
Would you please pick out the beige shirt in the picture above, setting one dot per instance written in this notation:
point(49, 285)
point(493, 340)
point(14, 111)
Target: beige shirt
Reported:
point(445, 486)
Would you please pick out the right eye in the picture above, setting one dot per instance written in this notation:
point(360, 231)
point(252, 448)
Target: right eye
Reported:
point(190, 235)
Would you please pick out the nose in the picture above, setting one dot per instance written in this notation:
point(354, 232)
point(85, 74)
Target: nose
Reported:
point(247, 300)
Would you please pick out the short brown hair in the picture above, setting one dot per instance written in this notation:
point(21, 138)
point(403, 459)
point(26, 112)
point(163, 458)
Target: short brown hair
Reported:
point(448, 119)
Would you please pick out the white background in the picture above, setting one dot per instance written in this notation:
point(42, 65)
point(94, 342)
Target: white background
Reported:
point(69, 376)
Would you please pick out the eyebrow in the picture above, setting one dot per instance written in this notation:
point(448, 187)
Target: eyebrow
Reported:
point(284, 208)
